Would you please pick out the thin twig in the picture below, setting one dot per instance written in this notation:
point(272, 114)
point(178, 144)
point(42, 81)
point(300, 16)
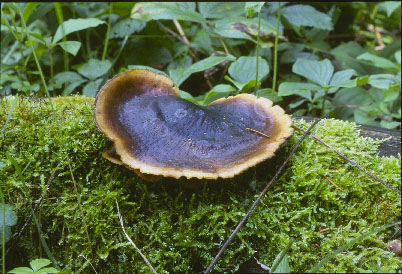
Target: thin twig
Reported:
point(187, 42)
point(329, 180)
point(132, 243)
point(81, 255)
point(184, 39)
point(350, 161)
point(243, 221)
point(169, 31)
point(327, 229)
point(258, 132)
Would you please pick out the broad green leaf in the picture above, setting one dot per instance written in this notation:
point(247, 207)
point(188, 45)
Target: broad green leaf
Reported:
point(179, 75)
point(390, 6)
point(319, 72)
point(41, 10)
point(91, 88)
point(217, 92)
point(382, 81)
point(94, 68)
point(390, 125)
point(218, 10)
point(378, 61)
point(210, 62)
point(187, 96)
point(398, 56)
point(251, 8)
point(346, 55)
point(71, 47)
point(10, 217)
point(29, 8)
point(157, 71)
point(301, 89)
point(244, 69)
point(342, 78)
point(74, 25)
point(122, 8)
point(39, 263)
point(391, 95)
point(243, 28)
point(243, 87)
point(186, 6)
point(306, 16)
point(146, 11)
point(125, 27)
point(203, 41)
point(269, 93)
point(48, 270)
point(283, 266)
point(21, 270)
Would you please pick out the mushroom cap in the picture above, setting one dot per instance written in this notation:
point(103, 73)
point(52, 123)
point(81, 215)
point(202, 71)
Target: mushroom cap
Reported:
point(156, 132)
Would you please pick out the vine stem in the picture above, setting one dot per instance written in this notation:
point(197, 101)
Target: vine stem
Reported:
point(256, 51)
point(276, 52)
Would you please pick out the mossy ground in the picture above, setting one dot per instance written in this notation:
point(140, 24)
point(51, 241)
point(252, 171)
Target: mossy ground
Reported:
point(181, 229)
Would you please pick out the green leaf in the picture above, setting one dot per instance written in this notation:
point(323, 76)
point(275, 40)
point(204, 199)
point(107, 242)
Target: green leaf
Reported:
point(301, 89)
point(390, 125)
point(382, 81)
point(251, 8)
point(39, 263)
point(398, 56)
point(244, 69)
point(21, 270)
point(219, 10)
point(268, 93)
point(91, 88)
point(283, 266)
point(306, 16)
point(94, 68)
point(179, 75)
point(217, 92)
point(319, 72)
point(125, 27)
point(157, 71)
point(378, 61)
point(243, 28)
point(146, 11)
point(11, 218)
point(29, 9)
point(187, 96)
point(69, 78)
point(243, 87)
point(74, 25)
point(389, 6)
point(342, 78)
point(71, 47)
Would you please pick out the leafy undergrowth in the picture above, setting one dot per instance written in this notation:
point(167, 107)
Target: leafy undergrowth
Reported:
point(181, 229)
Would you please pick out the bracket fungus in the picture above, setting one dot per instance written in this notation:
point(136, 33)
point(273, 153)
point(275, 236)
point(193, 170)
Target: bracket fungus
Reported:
point(156, 133)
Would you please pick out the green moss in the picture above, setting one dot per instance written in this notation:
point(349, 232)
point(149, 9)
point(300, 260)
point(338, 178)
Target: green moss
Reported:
point(181, 230)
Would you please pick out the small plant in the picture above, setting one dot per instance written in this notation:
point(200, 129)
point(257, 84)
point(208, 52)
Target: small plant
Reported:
point(37, 266)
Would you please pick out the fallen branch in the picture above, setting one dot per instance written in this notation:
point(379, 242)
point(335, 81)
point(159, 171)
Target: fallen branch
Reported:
point(132, 243)
point(350, 161)
point(243, 221)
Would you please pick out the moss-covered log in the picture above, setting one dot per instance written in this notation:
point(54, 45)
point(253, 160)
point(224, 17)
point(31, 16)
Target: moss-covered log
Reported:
point(320, 200)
